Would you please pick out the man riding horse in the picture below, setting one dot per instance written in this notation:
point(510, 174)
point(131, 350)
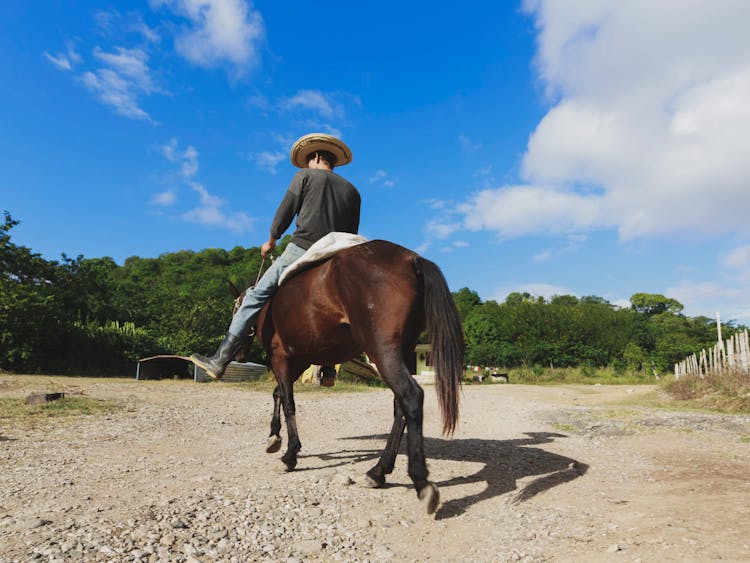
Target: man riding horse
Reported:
point(323, 202)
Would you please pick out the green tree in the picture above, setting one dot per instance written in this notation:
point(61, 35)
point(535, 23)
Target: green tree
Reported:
point(651, 304)
point(30, 311)
point(466, 301)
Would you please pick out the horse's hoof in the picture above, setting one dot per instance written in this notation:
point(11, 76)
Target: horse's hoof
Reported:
point(374, 479)
point(429, 496)
point(273, 444)
point(289, 464)
point(286, 468)
point(372, 483)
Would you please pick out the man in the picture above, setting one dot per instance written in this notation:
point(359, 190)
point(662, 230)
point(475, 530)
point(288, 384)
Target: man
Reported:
point(323, 202)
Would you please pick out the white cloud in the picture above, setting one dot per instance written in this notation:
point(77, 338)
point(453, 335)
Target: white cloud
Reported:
point(708, 298)
point(124, 79)
point(456, 245)
point(571, 243)
point(209, 212)
point(269, 160)
point(437, 203)
point(383, 178)
point(187, 159)
point(111, 23)
point(259, 101)
point(149, 34)
point(648, 125)
point(326, 128)
point(67, 60)
point(468, 144)
point(311, 110)
point(543, 256)
point(114, 91)
point(220, 31)
point(441, 230)
point(483, 172)
point(738, 259)
point(131, 64)
point(524, 210)
point(314, 101)
point(164, 199)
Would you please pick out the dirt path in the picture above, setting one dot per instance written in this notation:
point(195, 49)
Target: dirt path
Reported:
point(178, 473)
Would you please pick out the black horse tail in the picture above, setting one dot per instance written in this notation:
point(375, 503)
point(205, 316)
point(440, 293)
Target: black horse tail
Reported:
point(443, 325)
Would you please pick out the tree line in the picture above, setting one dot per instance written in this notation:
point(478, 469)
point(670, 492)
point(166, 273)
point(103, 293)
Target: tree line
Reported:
point(93, 316)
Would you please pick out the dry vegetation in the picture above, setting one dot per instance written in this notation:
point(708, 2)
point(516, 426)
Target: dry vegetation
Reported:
point(727, 391)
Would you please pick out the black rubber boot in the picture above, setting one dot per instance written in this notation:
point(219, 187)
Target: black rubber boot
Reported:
point(327, 376)
point(215, 365)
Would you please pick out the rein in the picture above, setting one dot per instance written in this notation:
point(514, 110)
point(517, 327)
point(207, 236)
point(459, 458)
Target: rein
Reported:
point(238, 300)
point(260, 270)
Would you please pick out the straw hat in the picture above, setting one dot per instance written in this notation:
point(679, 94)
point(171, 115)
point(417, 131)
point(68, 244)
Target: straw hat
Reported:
point(307, 144)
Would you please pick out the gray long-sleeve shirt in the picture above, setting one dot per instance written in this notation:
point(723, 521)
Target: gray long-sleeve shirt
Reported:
point(323, 202)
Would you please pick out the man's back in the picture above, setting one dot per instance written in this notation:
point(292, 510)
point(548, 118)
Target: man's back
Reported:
point(323, 201)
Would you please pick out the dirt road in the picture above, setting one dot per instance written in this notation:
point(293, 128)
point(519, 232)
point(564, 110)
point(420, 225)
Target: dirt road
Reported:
point(178, 473)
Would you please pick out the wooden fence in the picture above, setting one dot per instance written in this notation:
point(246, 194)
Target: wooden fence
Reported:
point(729, 354)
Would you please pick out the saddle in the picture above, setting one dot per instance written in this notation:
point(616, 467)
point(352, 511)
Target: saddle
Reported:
point(322, 249)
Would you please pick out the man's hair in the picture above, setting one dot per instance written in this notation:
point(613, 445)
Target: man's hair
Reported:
point(329, 157)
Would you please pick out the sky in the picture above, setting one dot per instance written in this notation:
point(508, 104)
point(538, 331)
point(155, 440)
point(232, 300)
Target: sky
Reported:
point(583, 147)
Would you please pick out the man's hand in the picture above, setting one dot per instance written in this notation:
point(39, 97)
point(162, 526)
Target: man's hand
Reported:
point(267, 247)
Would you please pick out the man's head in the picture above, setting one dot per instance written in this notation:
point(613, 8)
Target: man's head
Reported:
point(325, 160)
point(320, 149)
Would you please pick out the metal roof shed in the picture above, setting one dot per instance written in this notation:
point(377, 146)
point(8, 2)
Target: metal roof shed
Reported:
point(169, 366)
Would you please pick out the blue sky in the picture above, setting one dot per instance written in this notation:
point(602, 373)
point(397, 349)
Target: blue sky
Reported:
point(580, 147)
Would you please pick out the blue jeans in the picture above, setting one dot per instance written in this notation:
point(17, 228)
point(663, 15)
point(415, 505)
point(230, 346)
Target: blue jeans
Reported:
point(256, 297)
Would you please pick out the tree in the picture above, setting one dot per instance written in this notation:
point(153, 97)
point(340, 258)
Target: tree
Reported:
point(564, 300)
point(29, 307)
point(466, 301)
point(651, 304)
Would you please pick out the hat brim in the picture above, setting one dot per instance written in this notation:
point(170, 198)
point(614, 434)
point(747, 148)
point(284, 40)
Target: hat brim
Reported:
point(319, 142)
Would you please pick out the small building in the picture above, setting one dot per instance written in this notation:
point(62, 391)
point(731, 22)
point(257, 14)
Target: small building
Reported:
point(424, 372)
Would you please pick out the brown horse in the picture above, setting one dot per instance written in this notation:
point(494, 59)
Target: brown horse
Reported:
point(376, 298)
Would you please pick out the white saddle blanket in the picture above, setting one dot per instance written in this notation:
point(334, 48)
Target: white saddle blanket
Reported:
point(325, 247)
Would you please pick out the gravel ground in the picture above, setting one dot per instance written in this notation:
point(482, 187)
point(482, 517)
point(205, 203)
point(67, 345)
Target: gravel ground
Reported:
point(177, 472)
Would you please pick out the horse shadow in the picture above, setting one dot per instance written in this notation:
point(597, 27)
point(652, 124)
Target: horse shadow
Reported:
point(505, 463)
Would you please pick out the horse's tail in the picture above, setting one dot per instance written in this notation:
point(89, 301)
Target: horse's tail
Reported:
point(443, 325)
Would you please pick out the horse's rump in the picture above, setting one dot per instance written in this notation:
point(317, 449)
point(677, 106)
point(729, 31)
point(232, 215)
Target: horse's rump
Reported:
point(327, 312)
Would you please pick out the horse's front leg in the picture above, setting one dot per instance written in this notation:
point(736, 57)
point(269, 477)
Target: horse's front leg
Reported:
point(273, 444)
point(376, 475)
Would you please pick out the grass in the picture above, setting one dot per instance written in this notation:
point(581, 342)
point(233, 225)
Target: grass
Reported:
point(728, 391)
point(13, 409)
point(537, 375)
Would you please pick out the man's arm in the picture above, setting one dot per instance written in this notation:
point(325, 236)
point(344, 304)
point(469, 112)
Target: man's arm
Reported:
point(287, 209)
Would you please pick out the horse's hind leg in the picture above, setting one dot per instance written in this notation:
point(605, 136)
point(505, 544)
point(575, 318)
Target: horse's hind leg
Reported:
point(294, 445)
point(273, 444)
point(411, 398)
point(286, 374)
point(376, 475)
